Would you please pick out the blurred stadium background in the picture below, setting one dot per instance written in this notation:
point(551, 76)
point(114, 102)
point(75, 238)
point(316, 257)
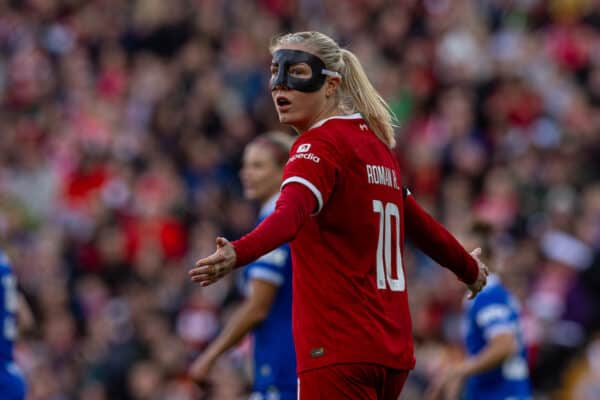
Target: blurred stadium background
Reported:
point(121, 129)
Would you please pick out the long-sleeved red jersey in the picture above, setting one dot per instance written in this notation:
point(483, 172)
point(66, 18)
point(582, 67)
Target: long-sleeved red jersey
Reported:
point(343, 208)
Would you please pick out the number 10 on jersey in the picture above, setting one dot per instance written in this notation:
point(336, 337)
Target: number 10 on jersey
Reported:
point(388, 212)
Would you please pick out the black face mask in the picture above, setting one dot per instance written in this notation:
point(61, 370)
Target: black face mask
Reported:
point(285, 58)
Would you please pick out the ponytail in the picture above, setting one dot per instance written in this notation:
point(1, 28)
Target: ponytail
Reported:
point(365, 99)
point(356, 93)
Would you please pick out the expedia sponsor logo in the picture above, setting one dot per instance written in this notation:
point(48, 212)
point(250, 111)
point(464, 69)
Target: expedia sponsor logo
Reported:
point(307, 156)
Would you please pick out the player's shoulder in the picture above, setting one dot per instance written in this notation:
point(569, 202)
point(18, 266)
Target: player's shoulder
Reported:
point(333, 135)
point(329, 128)
point(4, 263)
point(339, 121)
point(273, 267)
point(277, 258)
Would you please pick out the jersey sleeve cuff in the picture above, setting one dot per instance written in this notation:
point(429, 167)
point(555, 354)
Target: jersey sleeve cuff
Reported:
point(316, 192)
point(267, 275)
point(499, 329)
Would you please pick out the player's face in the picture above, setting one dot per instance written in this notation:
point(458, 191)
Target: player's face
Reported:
point(298, 93)
point(260, 174)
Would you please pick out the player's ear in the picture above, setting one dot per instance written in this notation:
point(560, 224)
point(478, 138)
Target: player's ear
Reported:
point(331, 85)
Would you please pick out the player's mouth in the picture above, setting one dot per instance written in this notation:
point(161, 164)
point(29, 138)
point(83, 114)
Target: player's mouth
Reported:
point(283, 103)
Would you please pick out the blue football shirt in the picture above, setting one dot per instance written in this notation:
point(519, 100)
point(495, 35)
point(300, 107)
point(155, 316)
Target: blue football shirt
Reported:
point(12, 384)
point(495, 311)
point(274, 356)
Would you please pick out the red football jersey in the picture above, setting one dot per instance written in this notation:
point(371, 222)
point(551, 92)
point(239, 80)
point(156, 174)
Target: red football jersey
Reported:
point(350, 296)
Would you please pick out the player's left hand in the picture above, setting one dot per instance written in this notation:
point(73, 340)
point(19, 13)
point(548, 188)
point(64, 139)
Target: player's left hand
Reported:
point(481, 280)
point(212, 268)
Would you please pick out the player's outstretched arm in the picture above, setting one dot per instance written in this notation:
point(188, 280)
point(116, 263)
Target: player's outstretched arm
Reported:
point(294, 206)
point(434, 240)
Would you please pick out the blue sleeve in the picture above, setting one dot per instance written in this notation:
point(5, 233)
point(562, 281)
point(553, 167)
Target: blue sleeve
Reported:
point(493, 314)
point(5, 267)
point(273, 267)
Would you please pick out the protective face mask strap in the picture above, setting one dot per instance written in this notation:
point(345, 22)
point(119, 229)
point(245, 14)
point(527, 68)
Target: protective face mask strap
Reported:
point(331, 73)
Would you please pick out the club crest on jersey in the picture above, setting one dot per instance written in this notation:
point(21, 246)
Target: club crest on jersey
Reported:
point(303, 148)
point(317, 352)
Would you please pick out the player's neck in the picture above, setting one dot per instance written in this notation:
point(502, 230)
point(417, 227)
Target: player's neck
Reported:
point(331, 112)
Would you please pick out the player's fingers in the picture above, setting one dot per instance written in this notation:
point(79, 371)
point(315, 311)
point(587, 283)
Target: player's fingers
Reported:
point(195, 374)
point(199, 378)
point(476, 252)
point(200, 278)
point(210, 260)
point(210, 272)
point(475, 288)
point(198, 371)
point(202, 271)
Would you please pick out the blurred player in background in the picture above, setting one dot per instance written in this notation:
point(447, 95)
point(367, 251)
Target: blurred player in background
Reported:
point(14, 316)
point(267, 308)
point(343, 205)
point(496, 366)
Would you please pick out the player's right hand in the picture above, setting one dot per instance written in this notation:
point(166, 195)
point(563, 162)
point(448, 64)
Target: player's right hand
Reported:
point(200, 369)
point(481, 280)
point(212, 268)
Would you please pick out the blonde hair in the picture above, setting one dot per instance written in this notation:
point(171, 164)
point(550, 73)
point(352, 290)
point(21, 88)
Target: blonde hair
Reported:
point(356, 93)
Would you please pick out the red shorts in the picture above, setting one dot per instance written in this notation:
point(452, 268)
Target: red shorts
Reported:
point(351, 381)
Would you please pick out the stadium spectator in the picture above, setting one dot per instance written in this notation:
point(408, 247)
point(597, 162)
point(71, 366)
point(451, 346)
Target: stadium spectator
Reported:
point(113, 98)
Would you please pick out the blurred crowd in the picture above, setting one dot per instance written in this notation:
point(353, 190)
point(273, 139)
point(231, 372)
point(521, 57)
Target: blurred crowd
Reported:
point(121, 129)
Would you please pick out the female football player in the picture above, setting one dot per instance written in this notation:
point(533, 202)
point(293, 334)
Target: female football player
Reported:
point(345, 212)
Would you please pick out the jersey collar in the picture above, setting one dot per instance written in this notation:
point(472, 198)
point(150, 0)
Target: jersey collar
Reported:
point(321, 122)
